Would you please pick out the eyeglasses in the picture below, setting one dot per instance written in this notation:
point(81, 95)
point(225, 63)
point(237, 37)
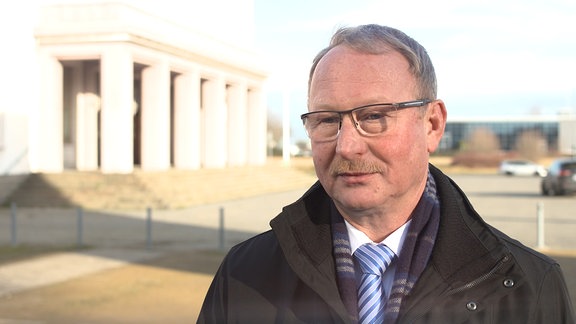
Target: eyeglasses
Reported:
point(370, 120)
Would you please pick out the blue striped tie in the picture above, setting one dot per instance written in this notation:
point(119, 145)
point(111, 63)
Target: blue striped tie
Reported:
point(373, 260)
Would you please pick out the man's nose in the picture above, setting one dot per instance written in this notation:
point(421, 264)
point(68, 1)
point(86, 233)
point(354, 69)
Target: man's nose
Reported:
point(349, 141)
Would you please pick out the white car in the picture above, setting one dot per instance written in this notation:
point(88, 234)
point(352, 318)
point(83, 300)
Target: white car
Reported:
point(522, 167)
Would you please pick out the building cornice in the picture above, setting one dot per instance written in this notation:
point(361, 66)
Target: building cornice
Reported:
point(120, 23)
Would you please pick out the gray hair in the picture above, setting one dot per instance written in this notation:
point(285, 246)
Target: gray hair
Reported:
point(376, 39)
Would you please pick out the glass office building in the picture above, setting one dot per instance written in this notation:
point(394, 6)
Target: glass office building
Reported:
point(559, 132)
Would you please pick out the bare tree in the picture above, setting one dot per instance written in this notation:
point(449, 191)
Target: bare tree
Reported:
point(532, 145)
point(274, 124)
point(481, 149)
point(482, 140)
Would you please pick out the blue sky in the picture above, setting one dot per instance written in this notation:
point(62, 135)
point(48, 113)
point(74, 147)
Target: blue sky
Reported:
point(492, 57)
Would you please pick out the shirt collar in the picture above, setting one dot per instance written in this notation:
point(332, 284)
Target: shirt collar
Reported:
point(394, 241)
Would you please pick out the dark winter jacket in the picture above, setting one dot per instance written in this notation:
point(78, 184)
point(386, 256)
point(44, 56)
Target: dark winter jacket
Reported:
point(476, 274)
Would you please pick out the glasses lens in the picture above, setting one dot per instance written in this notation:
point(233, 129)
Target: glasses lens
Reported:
point(370, 120)
point(322, 125)
point(375, 120)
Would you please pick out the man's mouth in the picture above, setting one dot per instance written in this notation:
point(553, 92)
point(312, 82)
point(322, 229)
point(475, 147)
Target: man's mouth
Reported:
point(354, 174)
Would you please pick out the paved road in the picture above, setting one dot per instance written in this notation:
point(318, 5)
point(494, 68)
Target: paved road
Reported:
point(511, 204)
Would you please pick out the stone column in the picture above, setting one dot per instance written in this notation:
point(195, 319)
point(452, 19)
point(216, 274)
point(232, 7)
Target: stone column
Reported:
point(87, 108)
point(237, 124)
point(215, 122)
point(117, 118)
point(156, 117)
point(47, 151)
point(256, 127)
point(73, 86)
point(187, 121)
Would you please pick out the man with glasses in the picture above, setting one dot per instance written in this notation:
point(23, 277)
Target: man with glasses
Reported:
point(383, 237)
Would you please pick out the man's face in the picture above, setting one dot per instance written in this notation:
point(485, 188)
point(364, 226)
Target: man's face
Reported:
point(378, 170)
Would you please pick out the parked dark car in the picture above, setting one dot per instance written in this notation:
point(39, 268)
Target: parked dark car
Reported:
point(561, 178)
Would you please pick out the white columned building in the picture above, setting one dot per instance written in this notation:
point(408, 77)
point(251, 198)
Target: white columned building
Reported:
point(257, 117)
point(188, 124)
point(122, 87)
point(237, 123)
point(48, 147)
point(155, 117)
point(215, 121)
point(87, 110)
point(117, 109)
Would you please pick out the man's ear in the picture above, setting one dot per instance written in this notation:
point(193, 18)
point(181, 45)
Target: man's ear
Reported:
point(436, 122)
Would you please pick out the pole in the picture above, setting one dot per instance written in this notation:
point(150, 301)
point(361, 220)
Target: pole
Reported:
point(540, 225)
point(14, 225)
point(80, 227)
point(221, 230)
point(148, 228)
point(286, 146)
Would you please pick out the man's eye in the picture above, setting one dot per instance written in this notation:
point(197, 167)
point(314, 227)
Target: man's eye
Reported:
point(329, 120)
point(371, 115)
point(324, 120)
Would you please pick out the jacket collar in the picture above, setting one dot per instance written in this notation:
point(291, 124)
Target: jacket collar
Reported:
point(466, 246)
point(304, 234)
point(304, 226)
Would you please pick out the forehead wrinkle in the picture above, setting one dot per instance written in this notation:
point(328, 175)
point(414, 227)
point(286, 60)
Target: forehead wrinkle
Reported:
point(328, 98)
point(345, 79)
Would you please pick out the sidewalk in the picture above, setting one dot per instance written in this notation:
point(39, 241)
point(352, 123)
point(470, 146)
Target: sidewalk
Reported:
point(115, 239)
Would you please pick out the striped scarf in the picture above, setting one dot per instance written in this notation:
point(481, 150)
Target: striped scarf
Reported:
point(411, 262)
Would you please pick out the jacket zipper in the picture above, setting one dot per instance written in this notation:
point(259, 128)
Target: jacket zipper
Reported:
point(469, 285)
point(480, 279)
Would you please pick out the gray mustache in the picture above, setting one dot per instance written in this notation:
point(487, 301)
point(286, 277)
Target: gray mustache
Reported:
point(344, 166)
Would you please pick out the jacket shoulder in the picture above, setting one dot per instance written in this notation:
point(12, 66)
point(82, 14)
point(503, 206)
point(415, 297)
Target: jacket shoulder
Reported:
point(252, 251)
point(529, 259)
